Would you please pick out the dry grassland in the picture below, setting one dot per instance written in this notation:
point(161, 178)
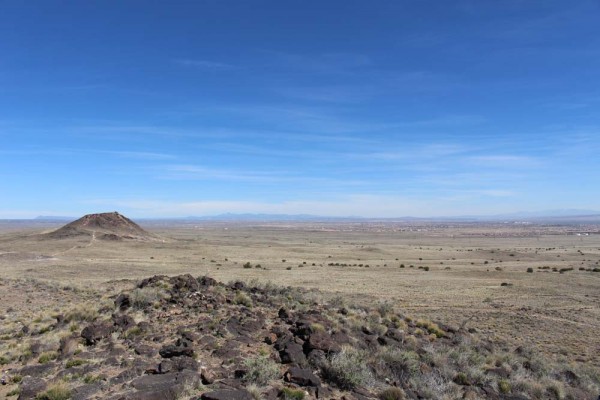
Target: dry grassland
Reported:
point(559, 313)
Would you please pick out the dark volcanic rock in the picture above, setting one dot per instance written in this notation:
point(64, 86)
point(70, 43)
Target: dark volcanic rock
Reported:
point(36, 370)
point(302, 377)
point(321, 341)
point(30, 387)
point(227, 395)
point(293, 354)
point(176, 351)
point(184, 283)
point(97, 331)
point(123, 321)
point(207, 281)
point(167, 386)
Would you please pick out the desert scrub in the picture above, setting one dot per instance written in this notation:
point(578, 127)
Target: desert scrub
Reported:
point(92, 378)
point(431, 327)
point(132, 332)
point(292, 394)
point(261, 370)
point(47, 357)
point(75, 362)
point(58, 391)
point(396, 364)
point(504, 386)
point(147, 296)
point(242, 299)
point(392, 393)
point(4, 360)
point(348, 369)
point(83, 312)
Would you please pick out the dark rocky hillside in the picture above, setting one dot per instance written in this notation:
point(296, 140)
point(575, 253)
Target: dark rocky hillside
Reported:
point(194, 338)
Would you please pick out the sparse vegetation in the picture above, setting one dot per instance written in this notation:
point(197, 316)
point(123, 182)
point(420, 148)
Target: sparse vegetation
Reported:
point(348, 369)
point(147, 296)
point(292, 394)
point(261, 370)
point(58, 391)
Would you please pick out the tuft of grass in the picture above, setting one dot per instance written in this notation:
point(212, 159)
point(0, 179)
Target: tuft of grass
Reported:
point(400, 364)
point(292, 394)
point(254, 391)
point(47, 357)
point(261, 370)
point(58, 391)
point(92, 378)
point(504, 386)
point(132, 332)
point(83, 312)
point(147, 296)
point(242, 299)
point(348, 368)
point(392, 393)
point(75, 362)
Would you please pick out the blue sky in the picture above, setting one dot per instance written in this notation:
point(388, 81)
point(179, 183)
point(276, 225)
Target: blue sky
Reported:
point(376, 109)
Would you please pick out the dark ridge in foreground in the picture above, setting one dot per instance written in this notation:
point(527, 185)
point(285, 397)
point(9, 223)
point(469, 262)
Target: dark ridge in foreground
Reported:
point(103, 226)
point(194, 338)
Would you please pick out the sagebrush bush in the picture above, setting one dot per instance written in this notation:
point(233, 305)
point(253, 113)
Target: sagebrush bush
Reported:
point(261, 370)
point(292, 394)
point(47, 357)
point(398, 364)
point(348, 369)
point(242, 298)
point(148, 296)
point(82, 312)
point(392, 393)
point(58, 391)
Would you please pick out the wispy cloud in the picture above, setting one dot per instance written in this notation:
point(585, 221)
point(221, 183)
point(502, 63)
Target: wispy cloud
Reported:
point(142, 155)
point(204, 64)
point(268, 176)
point(324, 63)
point(504, 161)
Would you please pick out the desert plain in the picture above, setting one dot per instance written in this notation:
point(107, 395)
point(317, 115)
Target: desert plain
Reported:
point(522, 284)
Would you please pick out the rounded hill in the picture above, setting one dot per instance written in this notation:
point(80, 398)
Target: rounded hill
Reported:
point(103, 226)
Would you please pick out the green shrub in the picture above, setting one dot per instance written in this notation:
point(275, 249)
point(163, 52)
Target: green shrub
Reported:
point(348, 368)
point(242, 299)
point(292, 394)
point(75, 362)
point(83, 312)
point(132, 332)
point(59, 391)
point(392, 393)
point(461, 379)
point(148, 296)
point(247, 265)
point(47, 357)
point(530, 270)
point(261, 370)
point(401, 364)
point(4, 360)
point(92, 379)
point(504, 386)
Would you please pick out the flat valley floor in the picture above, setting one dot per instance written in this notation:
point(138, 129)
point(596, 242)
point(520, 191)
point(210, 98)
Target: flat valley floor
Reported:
point(477, 273)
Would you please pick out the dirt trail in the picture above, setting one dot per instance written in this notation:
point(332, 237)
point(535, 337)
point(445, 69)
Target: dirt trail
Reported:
point(92, 240)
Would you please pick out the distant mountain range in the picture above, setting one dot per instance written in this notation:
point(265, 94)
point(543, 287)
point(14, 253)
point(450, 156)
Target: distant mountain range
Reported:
point(548, 215)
